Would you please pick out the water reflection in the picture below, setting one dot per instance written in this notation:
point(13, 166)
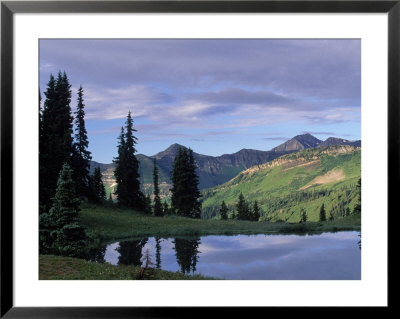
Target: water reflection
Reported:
point(96, 254)
point(187, 253)
point(158, 252)
point(323, 256)
point(130, 252)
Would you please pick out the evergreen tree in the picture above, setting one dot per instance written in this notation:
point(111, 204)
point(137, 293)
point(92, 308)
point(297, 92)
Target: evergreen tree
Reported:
point(303, 215)
point(347, 211)
point(110, 200)
point(242, 208)
point(148, 209)
point(119, 161)
point(331, 217)
point(357, 207)
point(223, 211)
point(185, 191)
point(166, 210)
point(127, 169)
point(55, 137)
point(60, 232)
point(178, 185)
point(193, 186)
point(45, 117)
point(81, 155)
point(256, 212)
point(158, 210)
point(98, 191)
point(322, 213)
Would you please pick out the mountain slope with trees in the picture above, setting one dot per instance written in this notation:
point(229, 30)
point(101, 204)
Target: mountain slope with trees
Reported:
point(303, 180)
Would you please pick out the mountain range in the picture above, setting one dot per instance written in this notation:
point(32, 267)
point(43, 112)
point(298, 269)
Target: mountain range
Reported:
point(214, 170)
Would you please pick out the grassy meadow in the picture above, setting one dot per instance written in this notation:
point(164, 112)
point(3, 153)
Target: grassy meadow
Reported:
point(112, 223)
point(67, 268)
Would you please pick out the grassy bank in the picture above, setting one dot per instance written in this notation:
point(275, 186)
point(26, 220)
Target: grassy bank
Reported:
point(108, 223)
point(67, 268)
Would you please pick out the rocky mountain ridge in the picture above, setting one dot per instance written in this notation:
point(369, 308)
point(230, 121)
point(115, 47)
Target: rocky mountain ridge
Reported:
point(214, 170)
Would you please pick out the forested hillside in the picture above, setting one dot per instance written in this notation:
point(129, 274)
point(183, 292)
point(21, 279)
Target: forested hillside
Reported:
point(303, 180)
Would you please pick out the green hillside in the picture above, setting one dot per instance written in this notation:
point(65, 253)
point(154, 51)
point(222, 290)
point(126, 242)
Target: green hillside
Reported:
point(284, 186)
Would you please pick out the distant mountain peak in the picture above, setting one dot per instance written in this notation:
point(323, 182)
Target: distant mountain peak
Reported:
point(331, 141)
point(298, 143)
point(174, 146)
point(172, 150)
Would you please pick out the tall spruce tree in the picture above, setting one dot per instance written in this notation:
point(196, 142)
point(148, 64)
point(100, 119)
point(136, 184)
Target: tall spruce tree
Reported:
point(242, 208)
point(357, 207)
point(55, 137)
point(81, 155)
point(223, 211)
point(322, 213)
point(148, 207)
point(166, 209)
point(185, 191)
point(119, 161)
point(178, 186)
point(158, 210)
point(127, 169)
point(60, 231)
point(303, 216)
point(193, 185)
point(256, 212)
point(97, 189)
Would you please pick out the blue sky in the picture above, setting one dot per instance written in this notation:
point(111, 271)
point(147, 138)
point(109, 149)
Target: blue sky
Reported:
point(215, 96)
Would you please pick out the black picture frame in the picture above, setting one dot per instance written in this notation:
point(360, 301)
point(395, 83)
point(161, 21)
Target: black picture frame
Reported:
point(9, 8)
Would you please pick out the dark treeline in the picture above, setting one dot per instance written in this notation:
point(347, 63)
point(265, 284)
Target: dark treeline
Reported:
point(340, 207)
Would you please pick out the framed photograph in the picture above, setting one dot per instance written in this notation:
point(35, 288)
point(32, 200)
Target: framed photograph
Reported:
point(196, 154)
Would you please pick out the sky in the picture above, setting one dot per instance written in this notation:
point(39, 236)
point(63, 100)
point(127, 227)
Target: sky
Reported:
point(214, 96)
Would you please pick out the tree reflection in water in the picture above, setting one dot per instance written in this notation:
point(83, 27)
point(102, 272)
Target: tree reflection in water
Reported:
point(186, 252)
point(96, 254)
point(158, 252)
point(131, 252)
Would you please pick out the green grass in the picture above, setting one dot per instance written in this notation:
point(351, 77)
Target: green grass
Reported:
point(67, 268)
point(110, 223)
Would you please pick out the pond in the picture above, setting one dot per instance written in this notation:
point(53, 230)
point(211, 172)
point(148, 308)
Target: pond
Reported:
point(326, 256)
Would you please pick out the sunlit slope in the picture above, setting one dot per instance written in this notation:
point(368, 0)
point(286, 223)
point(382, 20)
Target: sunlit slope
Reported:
point(305, 179)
